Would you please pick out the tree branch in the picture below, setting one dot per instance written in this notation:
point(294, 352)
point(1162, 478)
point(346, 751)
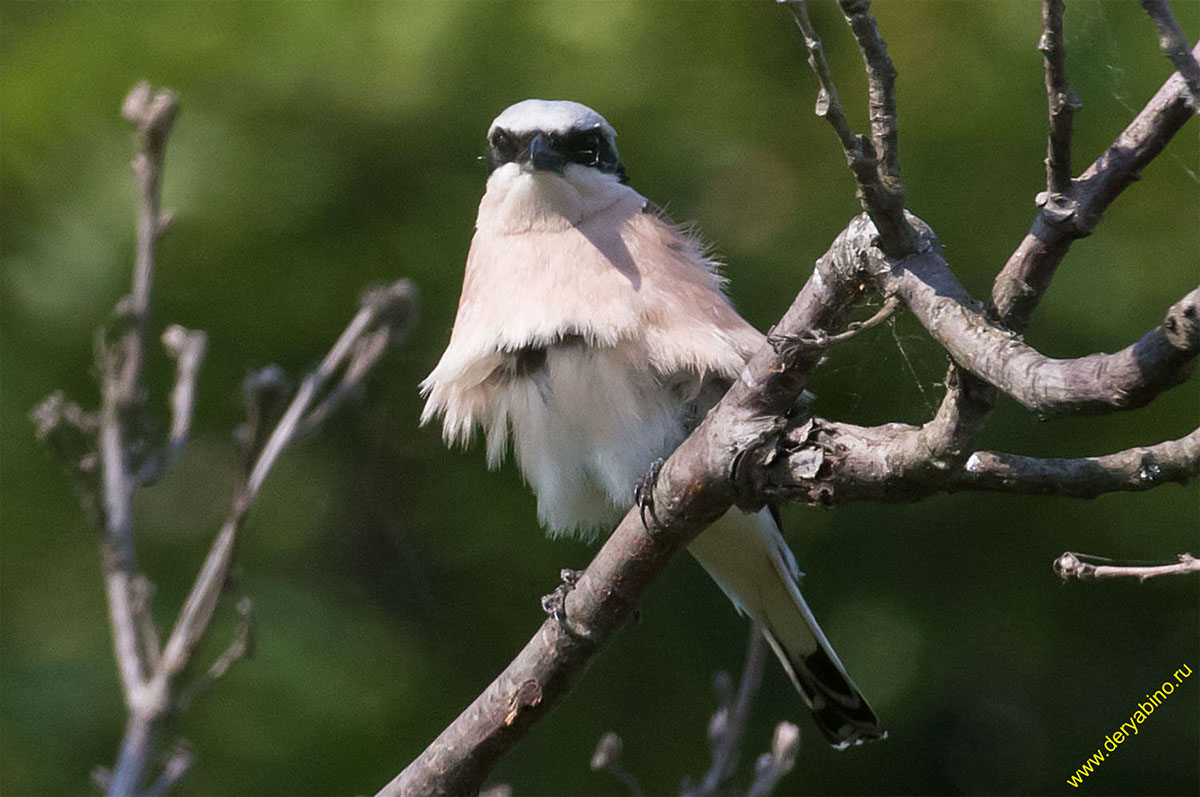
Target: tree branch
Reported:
point(728, 725)
point(828, 463)
point(1061, 100)
point(1027, 274)
point(772, 766)
point(879, 188)
point(1083, 567)
point(1132, 470)
point(107, 471)
point(186, 347)
point(1097, 383)
point(1174, 46)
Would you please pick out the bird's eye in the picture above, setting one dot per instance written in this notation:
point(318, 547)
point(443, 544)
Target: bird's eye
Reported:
point(585, 149)
point(504, 146)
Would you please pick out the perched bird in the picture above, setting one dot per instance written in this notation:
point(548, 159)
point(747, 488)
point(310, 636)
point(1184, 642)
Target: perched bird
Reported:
point(596, 334)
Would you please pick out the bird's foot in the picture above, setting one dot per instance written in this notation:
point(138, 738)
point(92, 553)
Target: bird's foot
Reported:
point(643, 494)
point(555, 604)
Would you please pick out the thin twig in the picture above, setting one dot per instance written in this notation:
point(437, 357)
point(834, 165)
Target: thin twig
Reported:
point(186, 347)
point(389, 305)
point(820, 340)
point(148, 634)
point(178, 762)
point(241, 646)
point(881, 89)
point(126, 458)
point(1061, 100)
point(1025, 277)
point(1174, 45)
point(607, 758)
point(728, 725)
point(1131, 470)
point(771, 767)
point(1084, 567)
point(879, 187)
point(123, 398)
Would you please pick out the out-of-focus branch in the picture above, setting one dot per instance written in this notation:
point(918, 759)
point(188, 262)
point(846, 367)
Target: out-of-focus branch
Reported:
point(111, 455)
point(772, 766)
point(240, 646)
point(728, 725)
point(607, 758)
point(381, 309)
point(186, 347)
point(1085, 567)
point(1061, 100)
point(1175, 47)
point(123, 443)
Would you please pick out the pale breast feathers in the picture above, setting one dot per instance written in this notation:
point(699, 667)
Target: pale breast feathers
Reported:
point(567, 339)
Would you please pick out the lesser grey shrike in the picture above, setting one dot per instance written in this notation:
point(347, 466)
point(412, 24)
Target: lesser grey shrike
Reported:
point(596, 334)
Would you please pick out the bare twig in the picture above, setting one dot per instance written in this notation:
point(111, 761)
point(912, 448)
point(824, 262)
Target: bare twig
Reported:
point(1174, 45)
point(853, 329)
point(241, 646)
point(772, 766)
point(107, 474)
point(265, 396)
point(1085, 567)
point(152, 114)
point(607, 758)
point(186, 347)
point(1061, 100)
point(1097, 383)
point(879, 188)
point(70, 432)
point(728, 725)
point(148, 634)
point(178, 762)
point(881, 91)
point(1131, 470)
point(385, 306)
point(1026, 276)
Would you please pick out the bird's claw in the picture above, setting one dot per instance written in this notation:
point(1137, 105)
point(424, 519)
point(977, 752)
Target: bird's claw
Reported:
point(643, 494)
point(555, 604)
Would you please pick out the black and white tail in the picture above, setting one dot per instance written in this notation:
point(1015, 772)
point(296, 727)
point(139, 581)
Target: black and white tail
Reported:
point(747, 556)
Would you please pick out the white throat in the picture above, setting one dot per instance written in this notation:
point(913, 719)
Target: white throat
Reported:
point(520, 200)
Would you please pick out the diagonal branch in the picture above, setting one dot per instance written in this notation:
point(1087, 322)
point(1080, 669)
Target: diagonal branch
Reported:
point(1026, 276)
point(1174, 46)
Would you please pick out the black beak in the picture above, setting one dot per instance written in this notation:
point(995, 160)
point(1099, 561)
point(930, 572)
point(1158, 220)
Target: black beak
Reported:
point(543, 157)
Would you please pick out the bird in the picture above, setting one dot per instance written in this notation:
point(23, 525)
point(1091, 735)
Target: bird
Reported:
point(592, 335)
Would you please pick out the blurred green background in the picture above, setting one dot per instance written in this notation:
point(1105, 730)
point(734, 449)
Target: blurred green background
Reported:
point(326, 146)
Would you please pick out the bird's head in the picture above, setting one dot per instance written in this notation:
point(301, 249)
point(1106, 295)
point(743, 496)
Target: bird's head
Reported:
point(551, 158)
